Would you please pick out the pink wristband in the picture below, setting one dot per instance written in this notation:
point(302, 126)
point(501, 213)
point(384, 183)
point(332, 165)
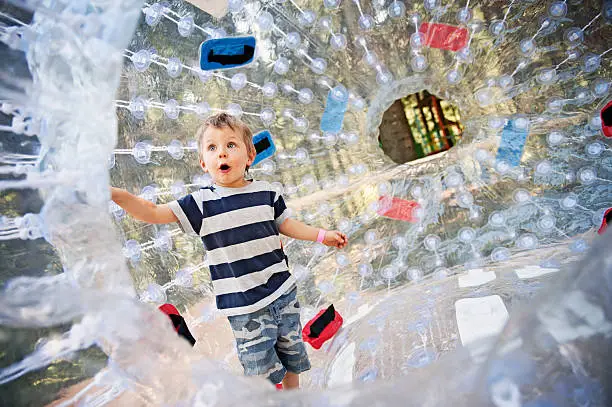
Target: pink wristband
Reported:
point(321, 235)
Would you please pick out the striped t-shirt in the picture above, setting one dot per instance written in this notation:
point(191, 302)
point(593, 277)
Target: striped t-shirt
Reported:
point(239, 229)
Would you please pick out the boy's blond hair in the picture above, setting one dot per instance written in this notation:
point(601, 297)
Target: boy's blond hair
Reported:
point(221, 120)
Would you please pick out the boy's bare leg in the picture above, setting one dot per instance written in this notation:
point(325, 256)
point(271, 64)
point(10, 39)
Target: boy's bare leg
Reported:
point(291, 381)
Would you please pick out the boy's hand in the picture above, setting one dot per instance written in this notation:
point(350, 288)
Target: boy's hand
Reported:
point(335, 239)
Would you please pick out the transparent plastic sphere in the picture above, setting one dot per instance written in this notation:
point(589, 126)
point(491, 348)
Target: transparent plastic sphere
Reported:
point(557, 9)
point(414, 274)
point(527, 241)
point(466, 234)
point(132, 250)
point(547, 76)
point(417, 40)
point(301, 155)
point(399, 242)
point(185, 26)
point(454, 76)
point(357, 103)
point(234, 109)
point(204, 76)
point(579, 246)
point(543, 168)
point(586, 175)
point(331, 4)
point(527, 46)
point(142, 152)
point(171, 109)
point(345, 225)
point(184, 278)
point(383, 76)
point(301, 124)
point(419, 63)
point(594, 149)
point(267, 116)
point(463, 15)
point(174, 67)
point(269, 89)
point(318, 66)
point(569, 201)
point(339, 93)
point(500, 254)
point(299, 272)
point(351, 138)
point(175, 149)
point(453, 180)
point(366, 22)
point(600, 86)
point(555, 138)
point(396, 9)
point(573, 36)
point(138, 107)
point(265, 21)
point(365, 269)
point(496, 123)
point(154, 294)
point(431, 5)
point(505, 81)
point(555, 104)
point(497, 28)
point(432, 242)
point(238, 81)
point(111, 161)
point(497, 219)
point(583, 96)
point(465, 199)
point(502, 166)
point(281, 66)
point(293, 40)
point(141, 60)
point(235, 6)
point(484, 97)
point(268, 166)
point(521, 196)
point(389, 272)
point(371, 237)
point(307, 18)
point(546, 223)
point(338, 41)
point(153, 14)
point(342, 259)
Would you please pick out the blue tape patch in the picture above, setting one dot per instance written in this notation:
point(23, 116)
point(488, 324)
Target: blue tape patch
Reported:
point(333, 116)
point(512, 144)
point(225, 53)
point(264, 146)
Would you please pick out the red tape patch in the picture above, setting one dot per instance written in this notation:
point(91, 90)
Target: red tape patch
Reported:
point(443, 36)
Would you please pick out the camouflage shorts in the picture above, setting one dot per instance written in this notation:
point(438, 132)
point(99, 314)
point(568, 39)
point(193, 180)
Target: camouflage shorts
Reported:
point(269, 341)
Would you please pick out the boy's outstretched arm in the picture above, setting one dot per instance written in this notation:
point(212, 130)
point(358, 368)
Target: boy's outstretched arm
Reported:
point(299, 230)
point(142, 209)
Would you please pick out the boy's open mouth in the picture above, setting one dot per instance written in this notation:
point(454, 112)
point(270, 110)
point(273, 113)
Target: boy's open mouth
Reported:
point(224, 168)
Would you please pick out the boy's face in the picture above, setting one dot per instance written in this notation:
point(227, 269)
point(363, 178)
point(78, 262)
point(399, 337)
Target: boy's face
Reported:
point(225, 156)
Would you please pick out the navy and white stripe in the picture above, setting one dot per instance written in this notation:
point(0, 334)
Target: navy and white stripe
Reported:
point(239, 229)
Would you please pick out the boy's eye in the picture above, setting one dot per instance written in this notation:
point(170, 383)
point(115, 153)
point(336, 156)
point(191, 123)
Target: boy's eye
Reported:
point(211, 148)
point(231, 145)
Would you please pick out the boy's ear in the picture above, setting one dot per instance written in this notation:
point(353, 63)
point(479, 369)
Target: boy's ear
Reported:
point(203, 165)
point(252, 155)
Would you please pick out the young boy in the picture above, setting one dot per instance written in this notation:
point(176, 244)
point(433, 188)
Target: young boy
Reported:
point(239, 221)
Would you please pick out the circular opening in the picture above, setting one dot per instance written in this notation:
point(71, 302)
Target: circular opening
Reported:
point(419, 125)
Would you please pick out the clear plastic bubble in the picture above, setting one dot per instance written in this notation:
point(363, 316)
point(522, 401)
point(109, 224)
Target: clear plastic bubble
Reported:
point(171, 109)
point(497, 28)
point(292, 40)
point(281, 66)
point(318, 66)
point(178, 189)
point(331, 4)
point(464, 15)
point(527, 241)
point(307, 18)
point(500, 254)
point(234, 109)
point(543, 168)
point(235, 6)
point(454, 76)
point(365, 269)
point(338, 41)
point(465, 199)
point(432, 242)
point(153, 14)
point(574, 36)
point(238, 81)
point(555, 138)
point(142, 60)
point(267, 116)
point(431, 5)
point(557, 9)
point(132, 250)
point(466, 234)
point(138, 107)
point(175, 149)
point(591, 62)
point(547, 76)
point(383, 76)
point(154, 294)
point(389, 272)
point(399, 242)
point(594, 149)
point(419, 63)
point(587, 175)
point(600, 86)
point(546, 223)
point(269, 89)
point(185, 26)
point(174, 67)
point(142, 152)
point(417, 40)
point(371, 237)
point(527, 46)
point(265, 21)
point(396, 9)
point(366, 22)
point(497, 219)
